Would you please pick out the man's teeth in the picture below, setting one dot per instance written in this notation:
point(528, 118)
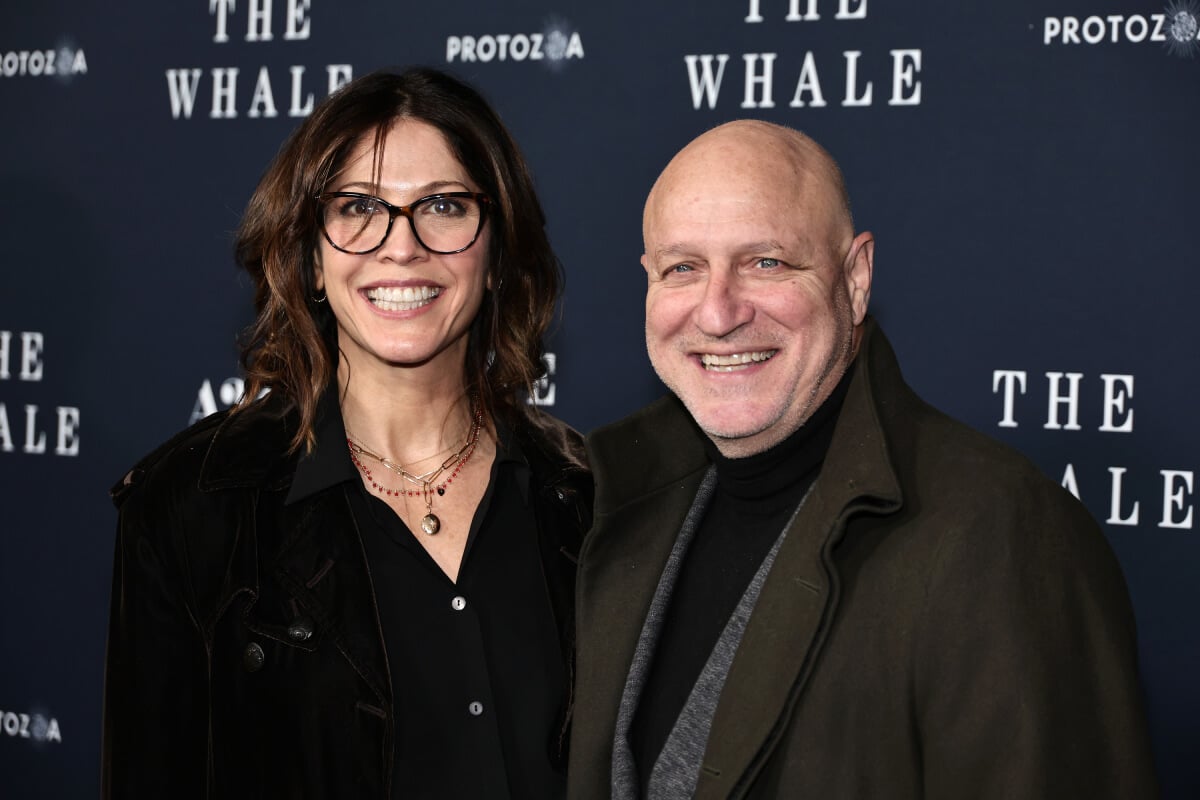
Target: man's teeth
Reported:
point(735, 361)
point(401, 298)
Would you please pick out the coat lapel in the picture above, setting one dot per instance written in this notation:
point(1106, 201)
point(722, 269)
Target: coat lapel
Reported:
point(787, 628)
point(324, 567)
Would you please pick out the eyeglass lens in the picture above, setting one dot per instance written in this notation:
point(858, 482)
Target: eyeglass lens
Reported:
point(442, 223)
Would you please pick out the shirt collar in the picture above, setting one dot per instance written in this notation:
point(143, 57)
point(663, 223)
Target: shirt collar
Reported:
point(328, 463)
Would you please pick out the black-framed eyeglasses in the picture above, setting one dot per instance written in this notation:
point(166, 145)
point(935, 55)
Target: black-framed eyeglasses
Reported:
point(445, 223)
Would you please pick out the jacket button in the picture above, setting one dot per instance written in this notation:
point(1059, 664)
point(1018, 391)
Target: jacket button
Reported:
point(475, 708)
point(253, 657)
point(301, 629)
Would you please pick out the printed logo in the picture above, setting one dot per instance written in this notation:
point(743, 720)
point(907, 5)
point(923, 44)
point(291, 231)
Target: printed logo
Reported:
point(554, 46)
point(807, 80)
point(21, 359)
point(228, 392)
point(63, 62)
point(1177, 29)
point(38, 727)
point(226, 86)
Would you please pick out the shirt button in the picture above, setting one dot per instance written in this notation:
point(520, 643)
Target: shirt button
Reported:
point(458, 603)
point(476, 708)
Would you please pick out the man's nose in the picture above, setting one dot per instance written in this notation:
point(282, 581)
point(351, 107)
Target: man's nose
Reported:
point(724, 307)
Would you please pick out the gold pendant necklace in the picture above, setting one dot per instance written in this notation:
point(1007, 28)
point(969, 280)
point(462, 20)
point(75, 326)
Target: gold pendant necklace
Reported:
point(430, 523)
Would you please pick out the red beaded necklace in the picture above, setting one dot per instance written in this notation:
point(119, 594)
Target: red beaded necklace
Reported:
point(430, 523)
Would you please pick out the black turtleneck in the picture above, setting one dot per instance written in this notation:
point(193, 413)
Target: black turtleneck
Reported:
point(754, 499)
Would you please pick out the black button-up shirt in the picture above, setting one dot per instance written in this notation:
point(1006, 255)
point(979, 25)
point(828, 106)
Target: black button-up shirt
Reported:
point(477, 678)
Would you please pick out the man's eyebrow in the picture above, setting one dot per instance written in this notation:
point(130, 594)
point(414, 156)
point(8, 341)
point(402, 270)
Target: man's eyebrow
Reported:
point(764, 246)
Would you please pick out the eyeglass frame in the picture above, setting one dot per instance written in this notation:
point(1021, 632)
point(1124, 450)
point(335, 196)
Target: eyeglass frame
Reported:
point(406, 212)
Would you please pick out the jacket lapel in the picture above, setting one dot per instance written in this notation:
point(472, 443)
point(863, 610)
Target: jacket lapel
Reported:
point(620, 566)
point(787, 628)
point(324, 567)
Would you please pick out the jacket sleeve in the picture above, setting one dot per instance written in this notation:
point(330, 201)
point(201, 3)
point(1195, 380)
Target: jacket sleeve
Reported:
point(1026, 679)
point(155, 733)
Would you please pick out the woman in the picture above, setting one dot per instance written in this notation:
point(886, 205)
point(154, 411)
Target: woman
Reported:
point(360, 583)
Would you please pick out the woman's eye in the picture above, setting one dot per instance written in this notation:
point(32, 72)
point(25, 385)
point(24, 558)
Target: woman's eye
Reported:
point(445, 207)
point(360, 207)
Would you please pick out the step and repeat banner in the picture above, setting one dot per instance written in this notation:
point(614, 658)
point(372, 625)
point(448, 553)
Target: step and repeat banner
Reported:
point(1028, 169)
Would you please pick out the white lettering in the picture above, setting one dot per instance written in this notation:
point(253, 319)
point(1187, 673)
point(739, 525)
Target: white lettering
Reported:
point(339, 76)
point(754, 79)
point(794, 14)
point(852, 97)
point(485, 48)
point(5, 339)
point(298, 108)
point(1143, 28)
point(1070, 30)
point(206, 403)
point(808, 82)
point(224, 90)
point(298, 23)
point(705, 86)
point(1010, 378)
point(1114, 517)
point(1159, 35)
point(262, 103)
point(1173, 498)
point(1068, 481)
point(31, 446)
point(753, 15)
point(182, 85)
point(258, 24)
point(6, 442)
point(1051, 27)
point(905, 65)
point(1114, 401)
point(519, 47)
point(453, 47)
point(1093, 30)
point(68, 431)
point(31, 356)
point(575, 46)
point(1071, 400)
point(221, 8)
point(844, 11)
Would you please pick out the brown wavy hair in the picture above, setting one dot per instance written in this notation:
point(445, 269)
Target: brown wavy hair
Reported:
point(291, 348)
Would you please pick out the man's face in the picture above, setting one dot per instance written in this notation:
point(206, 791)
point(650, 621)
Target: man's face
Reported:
point(752, 302)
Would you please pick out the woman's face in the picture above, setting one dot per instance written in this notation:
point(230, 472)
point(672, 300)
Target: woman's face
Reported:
point(402, 304)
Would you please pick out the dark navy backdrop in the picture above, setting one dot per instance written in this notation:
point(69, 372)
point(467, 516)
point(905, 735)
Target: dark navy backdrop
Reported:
point(1026, 167)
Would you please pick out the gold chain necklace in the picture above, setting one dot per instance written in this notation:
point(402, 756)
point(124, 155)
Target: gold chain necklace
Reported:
point(430, 523)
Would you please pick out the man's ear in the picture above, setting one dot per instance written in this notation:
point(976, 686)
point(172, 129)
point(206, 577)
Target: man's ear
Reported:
point(859, 267)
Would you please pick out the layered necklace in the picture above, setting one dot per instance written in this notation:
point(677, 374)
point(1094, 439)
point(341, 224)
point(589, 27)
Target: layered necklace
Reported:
point(427, 482)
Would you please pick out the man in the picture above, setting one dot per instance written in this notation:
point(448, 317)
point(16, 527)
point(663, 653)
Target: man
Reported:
point(801, 580)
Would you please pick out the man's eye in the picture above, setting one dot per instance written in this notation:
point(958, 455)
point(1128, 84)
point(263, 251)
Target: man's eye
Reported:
point(679, 268)
point(768, 263)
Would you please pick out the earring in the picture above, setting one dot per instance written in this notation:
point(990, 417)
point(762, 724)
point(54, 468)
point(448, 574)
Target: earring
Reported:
point(321, 299)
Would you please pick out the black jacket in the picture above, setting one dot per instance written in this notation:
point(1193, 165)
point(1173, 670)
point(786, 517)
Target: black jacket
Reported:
point(245, 657)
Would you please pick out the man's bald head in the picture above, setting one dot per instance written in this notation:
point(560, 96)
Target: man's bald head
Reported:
point(749, 151)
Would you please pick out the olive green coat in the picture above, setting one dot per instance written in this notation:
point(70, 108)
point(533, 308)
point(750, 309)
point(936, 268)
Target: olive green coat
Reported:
point(942, 621)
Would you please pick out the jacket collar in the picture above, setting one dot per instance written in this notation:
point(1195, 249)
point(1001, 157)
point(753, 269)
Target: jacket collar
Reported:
point(648, 468)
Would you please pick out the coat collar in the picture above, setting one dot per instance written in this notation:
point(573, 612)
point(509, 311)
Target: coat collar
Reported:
point(648, 469)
